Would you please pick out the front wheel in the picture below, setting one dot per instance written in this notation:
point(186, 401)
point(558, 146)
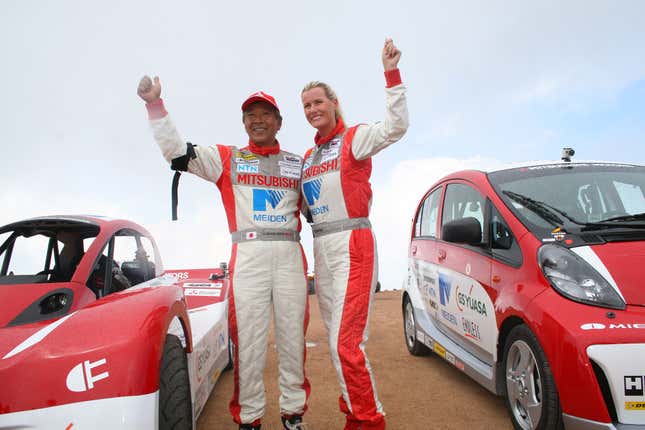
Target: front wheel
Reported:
point(175, 407)
point(530, 391)
point(410, 330)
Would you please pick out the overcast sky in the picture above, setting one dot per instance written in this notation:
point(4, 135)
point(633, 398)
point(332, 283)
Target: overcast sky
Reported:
point(489, 83)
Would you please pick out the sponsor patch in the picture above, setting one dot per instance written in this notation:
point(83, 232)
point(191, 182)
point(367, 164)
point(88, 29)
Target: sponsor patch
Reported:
point(291, 159)
point(330, 154)
point(290, 171)
point(241, 157)
point(202, 292)
point(248, 168)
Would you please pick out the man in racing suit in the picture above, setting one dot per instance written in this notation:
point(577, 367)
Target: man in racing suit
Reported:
point(335, 183)
point(260, 189)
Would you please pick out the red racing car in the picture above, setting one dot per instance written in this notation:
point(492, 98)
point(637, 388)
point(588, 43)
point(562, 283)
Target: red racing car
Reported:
point(94, 334)
point(530, 281)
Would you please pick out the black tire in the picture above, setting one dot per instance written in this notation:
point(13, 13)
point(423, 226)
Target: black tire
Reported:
point(529, 388)
point(378, 287)
point(175, 407)
point(410, 330)
point(231, 348)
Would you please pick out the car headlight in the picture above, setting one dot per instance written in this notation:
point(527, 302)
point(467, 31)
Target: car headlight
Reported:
point(575, 279)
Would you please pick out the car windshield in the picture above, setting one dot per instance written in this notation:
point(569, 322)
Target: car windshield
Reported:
point(40, 252)
point(574, 197)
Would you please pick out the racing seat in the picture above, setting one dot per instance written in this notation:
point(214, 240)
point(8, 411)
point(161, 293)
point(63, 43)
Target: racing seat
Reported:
point(69, 258)
point(138, 271)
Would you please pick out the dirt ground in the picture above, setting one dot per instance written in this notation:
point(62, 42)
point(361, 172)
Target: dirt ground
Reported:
point(416, 392)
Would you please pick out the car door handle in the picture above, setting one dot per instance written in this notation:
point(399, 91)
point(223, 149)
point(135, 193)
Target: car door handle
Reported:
point(441, 254)
point(496, 278)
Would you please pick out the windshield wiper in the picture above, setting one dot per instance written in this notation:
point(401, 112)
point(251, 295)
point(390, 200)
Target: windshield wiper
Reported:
point(543, 208)
point(539, 208)
point(634, 217)
point(623, 221)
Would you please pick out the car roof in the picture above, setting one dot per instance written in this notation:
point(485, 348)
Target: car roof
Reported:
point(91, 222)
point(474, 174)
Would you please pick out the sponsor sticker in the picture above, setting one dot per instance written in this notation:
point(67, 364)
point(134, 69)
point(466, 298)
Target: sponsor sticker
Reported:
point(440, 350)
point(635, 406)
point(601, 326)
point(450, 358)
point(84, 375)
point(634, 386)
point(179, 275)
point(250, 235)
point(459, 365)
point(203, 285)
point(202, 292)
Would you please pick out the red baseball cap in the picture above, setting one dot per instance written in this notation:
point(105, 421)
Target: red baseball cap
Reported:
point(260, 96)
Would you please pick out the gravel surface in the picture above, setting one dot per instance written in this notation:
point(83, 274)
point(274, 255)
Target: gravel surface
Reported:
point(416, 392)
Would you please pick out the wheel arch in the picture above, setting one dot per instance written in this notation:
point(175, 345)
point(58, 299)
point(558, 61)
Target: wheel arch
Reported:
point(505, 328)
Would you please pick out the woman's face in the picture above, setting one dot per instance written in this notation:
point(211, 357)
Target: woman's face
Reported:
point(319, 110)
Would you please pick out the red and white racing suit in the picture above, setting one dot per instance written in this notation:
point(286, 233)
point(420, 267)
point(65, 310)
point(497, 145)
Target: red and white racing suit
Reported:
point(261, 196)
point(335, 184)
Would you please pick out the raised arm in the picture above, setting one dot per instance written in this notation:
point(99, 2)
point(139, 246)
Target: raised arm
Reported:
point(207, 165)
point(372, 138)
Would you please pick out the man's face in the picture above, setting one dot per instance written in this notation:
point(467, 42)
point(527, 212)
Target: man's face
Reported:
point(261, 123)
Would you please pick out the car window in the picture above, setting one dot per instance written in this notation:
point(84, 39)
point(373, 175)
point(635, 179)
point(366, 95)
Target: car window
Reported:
point(503, 244)
point(462, 201)
point(28, 256)
point(426, 224)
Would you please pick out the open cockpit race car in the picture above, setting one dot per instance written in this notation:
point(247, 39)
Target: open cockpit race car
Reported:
point(95, 335)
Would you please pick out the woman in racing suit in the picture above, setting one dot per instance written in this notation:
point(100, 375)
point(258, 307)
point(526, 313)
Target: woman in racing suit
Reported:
point(337, 195)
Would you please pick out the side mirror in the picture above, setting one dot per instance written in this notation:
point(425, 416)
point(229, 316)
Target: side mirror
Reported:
point(464, 230)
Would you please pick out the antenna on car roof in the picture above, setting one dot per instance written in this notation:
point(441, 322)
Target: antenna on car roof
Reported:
point(567, 154)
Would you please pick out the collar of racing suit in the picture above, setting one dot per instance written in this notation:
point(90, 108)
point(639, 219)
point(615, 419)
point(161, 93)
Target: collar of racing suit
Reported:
point(340, 127)
point(264, 150)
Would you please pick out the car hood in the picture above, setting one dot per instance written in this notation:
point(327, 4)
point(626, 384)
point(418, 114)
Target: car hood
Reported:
point(624, 261)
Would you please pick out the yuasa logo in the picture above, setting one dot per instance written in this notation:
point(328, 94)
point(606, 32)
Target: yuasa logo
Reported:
point(261, 197)
point(81, 378)
point(311, 189)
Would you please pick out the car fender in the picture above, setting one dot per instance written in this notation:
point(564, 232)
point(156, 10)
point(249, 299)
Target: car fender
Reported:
point(112, 348)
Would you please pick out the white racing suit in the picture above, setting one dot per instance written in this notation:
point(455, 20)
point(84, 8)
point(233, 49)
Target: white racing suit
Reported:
point(335, 184)
point(261, 196)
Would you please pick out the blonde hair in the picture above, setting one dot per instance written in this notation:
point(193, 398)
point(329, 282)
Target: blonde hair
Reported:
point(331, 95)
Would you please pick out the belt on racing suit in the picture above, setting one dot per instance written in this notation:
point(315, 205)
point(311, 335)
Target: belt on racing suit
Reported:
point(253, 234)
point(324, 228)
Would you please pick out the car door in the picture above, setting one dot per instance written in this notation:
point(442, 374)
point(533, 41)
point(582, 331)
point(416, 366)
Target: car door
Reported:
point(422, 250)
point(466, 313)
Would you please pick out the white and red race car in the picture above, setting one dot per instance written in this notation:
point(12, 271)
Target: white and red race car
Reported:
point(530, 281)
point(94, 334)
